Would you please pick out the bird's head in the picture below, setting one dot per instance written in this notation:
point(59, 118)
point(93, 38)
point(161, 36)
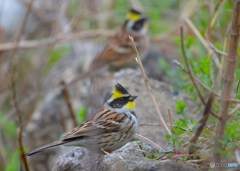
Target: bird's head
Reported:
point(120, 98)
point(136, 23)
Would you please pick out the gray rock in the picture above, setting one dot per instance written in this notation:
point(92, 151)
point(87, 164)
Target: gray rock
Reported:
point(127, 158)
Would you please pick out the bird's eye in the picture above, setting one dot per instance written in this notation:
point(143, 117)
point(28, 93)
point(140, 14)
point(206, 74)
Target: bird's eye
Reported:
point(121, 99)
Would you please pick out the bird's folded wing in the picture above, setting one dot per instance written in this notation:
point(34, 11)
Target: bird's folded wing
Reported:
point(103, 121)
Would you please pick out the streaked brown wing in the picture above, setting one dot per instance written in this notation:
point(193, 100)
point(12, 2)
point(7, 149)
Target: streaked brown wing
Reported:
point(103, 121)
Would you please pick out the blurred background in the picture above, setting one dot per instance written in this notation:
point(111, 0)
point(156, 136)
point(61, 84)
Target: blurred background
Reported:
point(44, 42)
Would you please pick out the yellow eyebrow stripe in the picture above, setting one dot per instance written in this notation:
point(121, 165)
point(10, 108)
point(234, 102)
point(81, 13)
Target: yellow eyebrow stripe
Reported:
point(133, 16)
point(116, 94)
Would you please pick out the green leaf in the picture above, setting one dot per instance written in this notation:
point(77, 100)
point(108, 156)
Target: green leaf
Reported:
point(180, 106)
point(167, 136)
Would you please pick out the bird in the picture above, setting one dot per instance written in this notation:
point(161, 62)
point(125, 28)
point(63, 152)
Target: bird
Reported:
point(118, 51)
point(107, 130)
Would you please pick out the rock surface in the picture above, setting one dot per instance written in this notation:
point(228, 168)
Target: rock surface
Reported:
point(127, 158)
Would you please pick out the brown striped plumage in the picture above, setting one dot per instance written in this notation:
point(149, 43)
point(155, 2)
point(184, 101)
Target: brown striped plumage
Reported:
point(108, 129)
point(118, 51)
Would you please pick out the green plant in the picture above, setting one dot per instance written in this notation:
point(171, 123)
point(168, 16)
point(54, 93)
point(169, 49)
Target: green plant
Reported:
point(180, 106)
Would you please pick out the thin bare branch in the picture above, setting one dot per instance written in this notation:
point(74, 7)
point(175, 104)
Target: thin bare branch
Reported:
point(145, 139)
point(190, 73)
point(69, 105)
point(200, 125)
point(228, 78)
point(197, 80)
point(234, 110)
point(149, 88)
point(234, 100)
point(46, 41)
point(202, 40)
point(13, 86)
point(157, 124)
point(217, 50)
point(189, 68)
point(170, 119)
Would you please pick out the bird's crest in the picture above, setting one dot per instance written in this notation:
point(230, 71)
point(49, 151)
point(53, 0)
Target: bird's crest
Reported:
point(119, 91)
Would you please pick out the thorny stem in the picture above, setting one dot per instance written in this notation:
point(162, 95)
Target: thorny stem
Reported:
point(148, 86)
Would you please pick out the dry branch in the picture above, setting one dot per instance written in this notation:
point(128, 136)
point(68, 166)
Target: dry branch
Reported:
point(200, 125)
point(157, 124)
point(148, 86)
point(13, 86)
point(190, 72)
point(197, 80)
point(234, 110)
point(202, 40)
point(69, 105)
point(46, 41)
point(145, 139)
point(228, 78)
point(189, 68)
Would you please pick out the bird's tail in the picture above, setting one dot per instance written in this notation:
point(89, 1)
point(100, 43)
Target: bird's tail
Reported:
point(51, 145)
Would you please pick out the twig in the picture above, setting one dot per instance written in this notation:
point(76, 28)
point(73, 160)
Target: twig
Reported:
point(143, 152)
point(188, 66)
point(228, 79)
point(148, 86)
point(200, 125)
point(220, 72)
point(19, 131)
point(197, 80)
point(145, 139)
point(199, 160)
point(189, 70)
point(69, 105)
point(234, 100)
point(202, 40)
point(46, 41)
point(156, 124)
point(237, 87)
point(217, 50)
point(234, 110)
point(158, 158)
point(170, 119)
point(182, 155)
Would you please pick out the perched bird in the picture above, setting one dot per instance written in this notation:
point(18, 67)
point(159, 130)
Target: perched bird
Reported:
point(110, 128)
point(118, 52)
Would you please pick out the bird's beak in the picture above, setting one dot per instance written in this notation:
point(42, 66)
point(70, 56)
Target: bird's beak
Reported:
point(131, 98)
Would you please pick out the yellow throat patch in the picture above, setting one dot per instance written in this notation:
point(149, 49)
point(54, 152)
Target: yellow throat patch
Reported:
point(133, 16)
point(130, 104)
